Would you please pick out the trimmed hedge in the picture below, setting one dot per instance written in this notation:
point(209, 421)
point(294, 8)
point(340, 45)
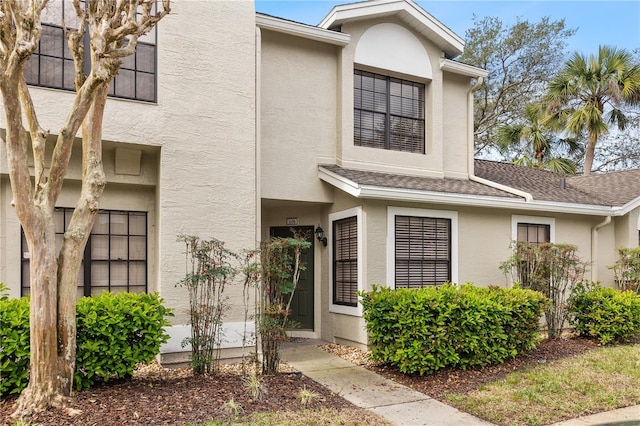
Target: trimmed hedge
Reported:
point(424, 330)
point(607, 314)
point(114, 333)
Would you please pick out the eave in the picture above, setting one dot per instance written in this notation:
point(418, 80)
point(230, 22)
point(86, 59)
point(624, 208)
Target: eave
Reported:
point(411, 195)
point(301, 30)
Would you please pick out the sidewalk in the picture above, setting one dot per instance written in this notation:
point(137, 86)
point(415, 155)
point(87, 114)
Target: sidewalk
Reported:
point(365, 389)
point(400, 404)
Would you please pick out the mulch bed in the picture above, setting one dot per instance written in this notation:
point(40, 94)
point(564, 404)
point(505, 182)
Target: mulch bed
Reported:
point(446, 381)
point(176, 401)
point(179, 401)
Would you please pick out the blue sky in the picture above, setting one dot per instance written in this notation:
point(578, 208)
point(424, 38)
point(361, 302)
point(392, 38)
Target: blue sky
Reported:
point(615, 23)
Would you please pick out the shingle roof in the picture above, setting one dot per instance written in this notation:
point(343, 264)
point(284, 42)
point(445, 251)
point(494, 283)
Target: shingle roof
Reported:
point(613, 189)
point(541, 184)
point(390, 180)
point(607, 189)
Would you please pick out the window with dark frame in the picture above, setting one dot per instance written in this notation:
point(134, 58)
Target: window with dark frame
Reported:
point(388, 113)
point(422, 251)
point(345, 261)
point(51, 65)
point(115, 258)
point(534, 233)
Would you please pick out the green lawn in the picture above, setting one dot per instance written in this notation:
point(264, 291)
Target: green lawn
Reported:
point(600, 380)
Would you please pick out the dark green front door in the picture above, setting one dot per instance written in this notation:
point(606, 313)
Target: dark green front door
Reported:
point(302, 303)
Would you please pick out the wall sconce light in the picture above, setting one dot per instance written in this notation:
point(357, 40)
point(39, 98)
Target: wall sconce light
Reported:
point(320, 235)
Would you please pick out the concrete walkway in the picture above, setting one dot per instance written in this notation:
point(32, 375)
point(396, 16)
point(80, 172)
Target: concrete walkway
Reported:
point(400, 404)
point(365, 389)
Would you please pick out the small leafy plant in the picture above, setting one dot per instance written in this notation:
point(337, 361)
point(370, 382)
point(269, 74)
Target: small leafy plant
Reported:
point(255, 386)
point(607, 314)
point(627, 269)
point(305, 396)
point(552, 269)
point(281, 267)
point(209, 271)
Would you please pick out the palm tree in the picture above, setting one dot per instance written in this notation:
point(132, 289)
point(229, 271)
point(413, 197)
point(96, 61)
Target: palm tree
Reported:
point(538, 132)
point(589, 92)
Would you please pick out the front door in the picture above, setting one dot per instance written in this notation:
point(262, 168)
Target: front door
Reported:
point(302, 303)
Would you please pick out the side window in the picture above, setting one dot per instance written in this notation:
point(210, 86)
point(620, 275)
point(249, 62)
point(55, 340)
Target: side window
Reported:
point(345, 261)
point(532, 229)
point(115, 258)
point(345, 266)
point(534, 233)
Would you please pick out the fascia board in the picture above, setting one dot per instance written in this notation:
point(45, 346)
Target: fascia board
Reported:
point(628, 207)
point(340, 182)
point(411, 195)
point(301, 30)
point(401, 194)
point(462, 69)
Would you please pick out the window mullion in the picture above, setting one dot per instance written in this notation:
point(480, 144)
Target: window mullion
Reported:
point(387, 124)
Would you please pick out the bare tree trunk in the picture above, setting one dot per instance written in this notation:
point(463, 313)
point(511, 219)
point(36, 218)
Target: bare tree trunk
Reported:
point(75, 239)
point(42, 388)
point(589, 154)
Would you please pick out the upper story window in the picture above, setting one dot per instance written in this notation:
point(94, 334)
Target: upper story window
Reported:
point(388, 113)
point(51, 65)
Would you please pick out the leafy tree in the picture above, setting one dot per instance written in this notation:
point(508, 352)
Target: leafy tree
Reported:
point(113, 28)
point(535, 135)
point(520, 60)
point(589, 94)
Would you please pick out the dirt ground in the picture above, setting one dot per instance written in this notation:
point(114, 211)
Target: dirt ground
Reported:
point(153, 397)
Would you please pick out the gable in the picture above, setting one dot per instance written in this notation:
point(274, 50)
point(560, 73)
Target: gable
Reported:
point(391, 46)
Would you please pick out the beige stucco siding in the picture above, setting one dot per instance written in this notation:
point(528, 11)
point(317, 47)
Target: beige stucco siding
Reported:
point(203, 133)
point(298, 116)
point(454, 118)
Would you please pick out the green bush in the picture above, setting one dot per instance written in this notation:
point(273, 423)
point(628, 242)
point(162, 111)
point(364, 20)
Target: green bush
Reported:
point(14, 345)
point(607, 314)
point(424, 330)
point(114, 333)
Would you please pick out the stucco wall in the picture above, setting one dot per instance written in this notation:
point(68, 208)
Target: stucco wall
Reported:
point(454, 118)
point(298, 115)
point(203, 128)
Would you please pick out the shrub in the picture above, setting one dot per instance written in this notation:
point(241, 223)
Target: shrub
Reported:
point(552, 269)
point(607, 314)
point(14, 345)
point(115, 332)
point(627, 269)
point(424, 330)
point(209, 271)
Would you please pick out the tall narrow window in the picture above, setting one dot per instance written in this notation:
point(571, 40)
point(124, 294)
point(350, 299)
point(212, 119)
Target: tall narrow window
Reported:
point(388, 113)
point(345, 261)
point(51, 65)
point(115, 258)
point(422, 251)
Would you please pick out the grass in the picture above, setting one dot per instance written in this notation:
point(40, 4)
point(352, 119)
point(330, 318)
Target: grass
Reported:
point(323, 417)
point(600, 380)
